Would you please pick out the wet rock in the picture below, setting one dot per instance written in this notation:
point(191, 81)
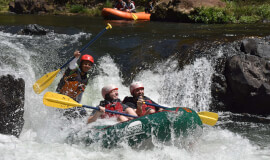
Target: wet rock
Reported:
point(33, 29)
point(249, 46)
point(242, 77)
point(219, 88)
point(178, 10)
point(256, 47)
point(12, 7)
point(248, 79)
point(30, 6)
point(11, 105)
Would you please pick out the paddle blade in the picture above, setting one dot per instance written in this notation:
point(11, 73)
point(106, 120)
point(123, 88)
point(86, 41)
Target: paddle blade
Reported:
point(59, 101)
point(45, 81)
point(134, 16)
point(209, 118)
point(109, 26)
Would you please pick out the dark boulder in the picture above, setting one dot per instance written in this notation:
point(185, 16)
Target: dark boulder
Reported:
point(33, 29)
point(178, 10)
point(256, 47)
point(30, 7)
point(241, 82)
point(11, 105)
point(248, 79)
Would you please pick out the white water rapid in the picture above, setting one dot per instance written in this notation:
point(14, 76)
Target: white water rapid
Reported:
point(44, 131)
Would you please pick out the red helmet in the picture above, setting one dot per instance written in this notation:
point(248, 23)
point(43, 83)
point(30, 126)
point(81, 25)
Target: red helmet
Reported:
point(107, 89)
point(87, 57)
point(135, 85)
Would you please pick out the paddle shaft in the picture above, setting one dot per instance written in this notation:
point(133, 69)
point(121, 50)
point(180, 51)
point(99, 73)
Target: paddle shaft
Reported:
point(110, 111)
point(87, 45)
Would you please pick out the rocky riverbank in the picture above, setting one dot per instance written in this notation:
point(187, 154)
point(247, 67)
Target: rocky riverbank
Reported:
point(242, 79)
point(193, 11)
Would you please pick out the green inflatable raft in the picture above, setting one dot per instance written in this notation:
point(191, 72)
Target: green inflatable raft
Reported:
point(171, 123)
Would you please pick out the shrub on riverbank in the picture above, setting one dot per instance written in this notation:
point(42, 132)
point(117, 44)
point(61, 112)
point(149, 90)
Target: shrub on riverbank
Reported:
point(94, 11)
point(79, 9)
point(235, 12)
point(4, 5)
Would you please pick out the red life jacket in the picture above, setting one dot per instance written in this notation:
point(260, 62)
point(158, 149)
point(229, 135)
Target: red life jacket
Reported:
point(120, 5)
point(115, 106)
point(145, 107)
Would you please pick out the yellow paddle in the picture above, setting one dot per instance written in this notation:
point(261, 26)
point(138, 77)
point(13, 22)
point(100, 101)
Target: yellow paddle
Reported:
point(56, 100)
point(48, 78)
point(134, 16)
point(209, 118)
point(45, 81)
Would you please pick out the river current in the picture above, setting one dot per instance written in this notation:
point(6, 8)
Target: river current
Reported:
point(131, 51)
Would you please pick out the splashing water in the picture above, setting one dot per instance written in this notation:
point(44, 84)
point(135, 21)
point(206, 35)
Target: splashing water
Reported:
point(44, 132)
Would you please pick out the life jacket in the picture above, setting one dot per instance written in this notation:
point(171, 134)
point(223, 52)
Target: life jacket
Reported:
point(114, 106)
point(120, 5)
point(145, 107)
point(72, 84)
point(129, 4)
point(132, 103)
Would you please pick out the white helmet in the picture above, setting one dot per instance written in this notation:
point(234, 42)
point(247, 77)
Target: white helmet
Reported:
point(135, 85)
point(107, 89)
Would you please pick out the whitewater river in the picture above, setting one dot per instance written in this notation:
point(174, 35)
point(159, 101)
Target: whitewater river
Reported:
point(131, 51)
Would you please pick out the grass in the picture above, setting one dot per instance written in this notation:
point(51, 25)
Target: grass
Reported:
point(108, 4)
point(234, 12)
point(4, 5)
point(94, 11)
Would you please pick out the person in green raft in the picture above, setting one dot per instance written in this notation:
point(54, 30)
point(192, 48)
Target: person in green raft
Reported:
point(111, 102)
point(137, 100)
point(74, 81)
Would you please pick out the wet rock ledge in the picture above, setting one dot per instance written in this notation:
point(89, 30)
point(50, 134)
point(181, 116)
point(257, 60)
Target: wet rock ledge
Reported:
point(11, 105)
point(242, 81)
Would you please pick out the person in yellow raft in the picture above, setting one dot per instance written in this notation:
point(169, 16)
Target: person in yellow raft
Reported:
point(74, 81)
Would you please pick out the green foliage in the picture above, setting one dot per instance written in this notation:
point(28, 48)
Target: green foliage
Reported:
point(95, 11)
point(4, 2)
point(263, 11)
point(77, 9)
point(239, 12)
point(4, 5)
point(248, 2)
point(249, 19)
point(211, 15)
point(108, 4)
